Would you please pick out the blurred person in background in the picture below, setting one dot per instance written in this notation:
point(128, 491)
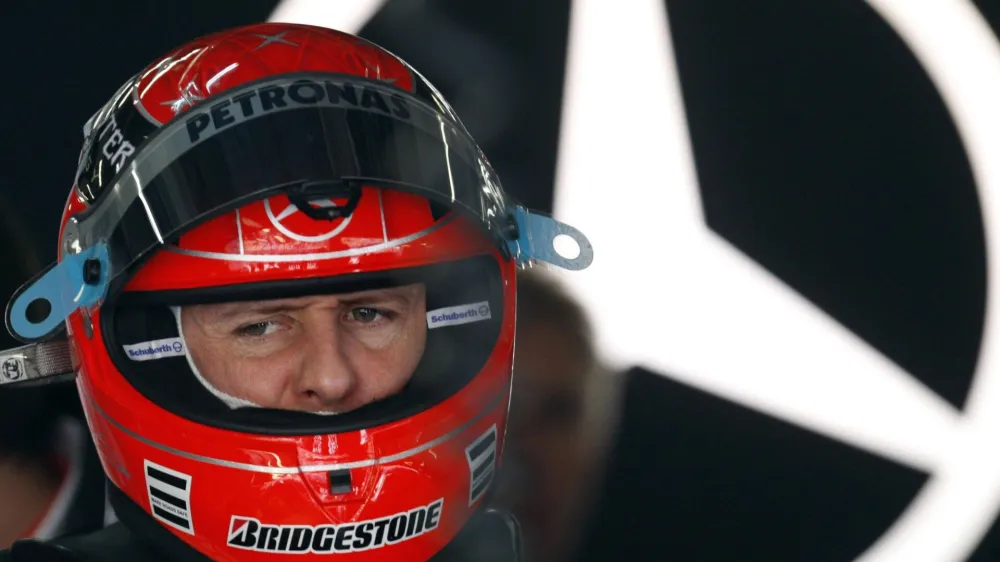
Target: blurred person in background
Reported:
point(590, 448)
point(51, 481)
point(564, 407)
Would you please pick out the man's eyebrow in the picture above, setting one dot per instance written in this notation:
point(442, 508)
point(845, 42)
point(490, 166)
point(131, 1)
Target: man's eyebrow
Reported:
point(230, 311)
point(393, 294)
point(237, 309)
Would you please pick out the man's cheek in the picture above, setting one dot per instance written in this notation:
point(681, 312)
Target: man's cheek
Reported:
point(258, 381)
point(366, 340)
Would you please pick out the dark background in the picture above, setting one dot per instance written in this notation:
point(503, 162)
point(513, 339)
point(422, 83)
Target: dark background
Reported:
point(823, 152)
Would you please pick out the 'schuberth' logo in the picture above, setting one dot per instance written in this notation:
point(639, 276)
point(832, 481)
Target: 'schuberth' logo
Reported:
point(461, 314)
point(156, 349)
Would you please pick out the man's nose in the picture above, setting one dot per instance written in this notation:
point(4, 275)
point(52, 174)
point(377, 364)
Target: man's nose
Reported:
point(327, 377)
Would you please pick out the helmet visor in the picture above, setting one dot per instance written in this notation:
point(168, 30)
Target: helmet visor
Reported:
point(311, 136)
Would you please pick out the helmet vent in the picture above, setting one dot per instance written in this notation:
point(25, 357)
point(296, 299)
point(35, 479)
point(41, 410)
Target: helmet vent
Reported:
point(340, 481)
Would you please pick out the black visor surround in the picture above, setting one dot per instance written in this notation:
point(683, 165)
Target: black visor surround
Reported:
point(453, 355)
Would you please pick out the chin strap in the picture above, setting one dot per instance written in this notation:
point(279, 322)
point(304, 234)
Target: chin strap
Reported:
point(492, 535)
point(37, 363)
point(516, 538)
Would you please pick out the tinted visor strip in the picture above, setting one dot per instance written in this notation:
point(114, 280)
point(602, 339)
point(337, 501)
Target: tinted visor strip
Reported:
point(213, 160)
point(254, 161)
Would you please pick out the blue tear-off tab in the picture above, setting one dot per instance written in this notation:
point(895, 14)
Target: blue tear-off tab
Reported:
point(536, 235)
point(65, 290)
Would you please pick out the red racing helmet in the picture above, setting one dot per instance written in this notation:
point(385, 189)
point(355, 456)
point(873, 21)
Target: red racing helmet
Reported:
point(271, 162)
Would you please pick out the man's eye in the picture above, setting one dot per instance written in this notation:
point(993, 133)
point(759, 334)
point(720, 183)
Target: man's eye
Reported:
point(257, 330)
point(366, 315)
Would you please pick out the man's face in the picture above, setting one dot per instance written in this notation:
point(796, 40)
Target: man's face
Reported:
point(322, 353)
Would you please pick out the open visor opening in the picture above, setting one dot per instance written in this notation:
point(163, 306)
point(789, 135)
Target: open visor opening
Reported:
point(439, 338)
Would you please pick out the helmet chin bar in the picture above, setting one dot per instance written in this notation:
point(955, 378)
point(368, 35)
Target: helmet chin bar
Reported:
point(34, 364)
